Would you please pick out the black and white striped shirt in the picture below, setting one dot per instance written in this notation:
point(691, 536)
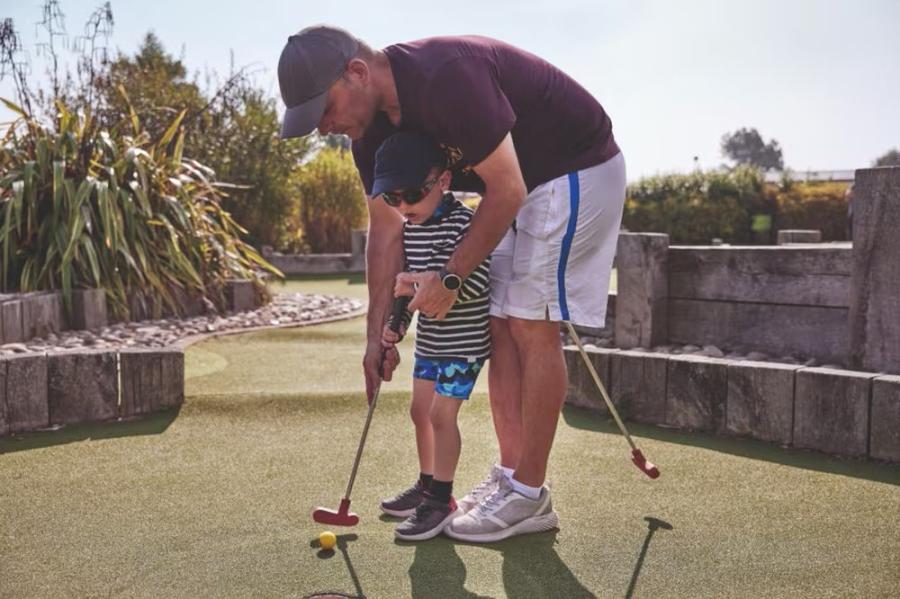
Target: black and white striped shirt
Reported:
point(465, 331)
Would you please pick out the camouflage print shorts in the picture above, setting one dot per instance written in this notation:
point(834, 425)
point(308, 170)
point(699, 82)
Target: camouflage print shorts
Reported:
point(453, 377)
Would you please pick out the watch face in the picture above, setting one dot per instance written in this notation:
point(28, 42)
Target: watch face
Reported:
point(451, 281)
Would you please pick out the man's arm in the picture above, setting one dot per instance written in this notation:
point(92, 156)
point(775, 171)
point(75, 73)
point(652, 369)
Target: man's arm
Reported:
point(384, 259)
point(504, 193)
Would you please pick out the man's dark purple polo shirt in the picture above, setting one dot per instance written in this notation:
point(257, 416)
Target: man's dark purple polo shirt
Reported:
point(469, 92)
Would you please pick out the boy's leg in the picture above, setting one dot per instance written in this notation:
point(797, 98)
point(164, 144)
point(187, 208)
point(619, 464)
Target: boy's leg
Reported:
point(447, 443)
point(454, 384)
point(420, 412)
point(404, 503)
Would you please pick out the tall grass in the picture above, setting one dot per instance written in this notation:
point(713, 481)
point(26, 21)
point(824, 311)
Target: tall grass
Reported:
point(84, 206)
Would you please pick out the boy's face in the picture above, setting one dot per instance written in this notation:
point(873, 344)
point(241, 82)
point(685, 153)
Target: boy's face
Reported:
point(435, 184)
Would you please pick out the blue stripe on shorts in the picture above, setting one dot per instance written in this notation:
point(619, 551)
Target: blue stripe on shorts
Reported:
point(453, 377)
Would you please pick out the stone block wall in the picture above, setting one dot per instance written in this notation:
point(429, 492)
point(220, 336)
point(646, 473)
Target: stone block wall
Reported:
point(38, 390)
point(875, 299)
point(786, 236)
point(839, 412)
point(782, 300)
point(353, 262)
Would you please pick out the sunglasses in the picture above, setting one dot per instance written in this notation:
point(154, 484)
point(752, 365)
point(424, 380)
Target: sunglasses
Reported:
point(410, 196)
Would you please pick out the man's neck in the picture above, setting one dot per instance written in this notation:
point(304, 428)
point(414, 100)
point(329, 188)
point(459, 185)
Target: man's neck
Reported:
point(383, 77)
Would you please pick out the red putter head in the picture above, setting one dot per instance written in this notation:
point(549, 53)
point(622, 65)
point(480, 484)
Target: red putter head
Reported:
point(641, 462)
point(342, 517)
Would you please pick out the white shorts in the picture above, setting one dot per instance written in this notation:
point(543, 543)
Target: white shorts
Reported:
point(555, 265)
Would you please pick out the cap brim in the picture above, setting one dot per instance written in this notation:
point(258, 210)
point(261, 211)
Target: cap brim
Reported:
point(304, 118)
point(395, 181)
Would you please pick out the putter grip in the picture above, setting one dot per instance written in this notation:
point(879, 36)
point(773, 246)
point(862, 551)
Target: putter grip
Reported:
point(397, 311)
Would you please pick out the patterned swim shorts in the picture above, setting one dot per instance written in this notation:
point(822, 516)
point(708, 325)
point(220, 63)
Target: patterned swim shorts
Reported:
point(453, 377)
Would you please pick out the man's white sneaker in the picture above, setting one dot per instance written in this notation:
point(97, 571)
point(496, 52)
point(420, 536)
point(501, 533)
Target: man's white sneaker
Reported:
point(480, 492)
point(504, 513)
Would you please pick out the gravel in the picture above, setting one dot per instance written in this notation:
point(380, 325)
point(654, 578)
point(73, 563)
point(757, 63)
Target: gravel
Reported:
point(284, 310)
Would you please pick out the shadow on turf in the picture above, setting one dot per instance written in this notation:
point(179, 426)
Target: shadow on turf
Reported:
point(531, 568)
point(151, 424)
point(585, 419)
point(653, 524)
point(342, 543)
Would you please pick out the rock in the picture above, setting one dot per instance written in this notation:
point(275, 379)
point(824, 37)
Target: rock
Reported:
point(712, 351)
point(15, 347)
point(811, 362)
point(757, 356)
point(689, 349)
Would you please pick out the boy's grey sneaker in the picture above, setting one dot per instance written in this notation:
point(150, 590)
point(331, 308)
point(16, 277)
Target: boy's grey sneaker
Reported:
point(429, 519)
point(404, 503)
point(505, 513)
point(484, 488)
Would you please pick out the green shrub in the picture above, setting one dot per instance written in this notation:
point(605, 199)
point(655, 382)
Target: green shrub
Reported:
point(821, 206)
point(697, 207)
point(234, 130)
point(332, 201)
point(83, 206)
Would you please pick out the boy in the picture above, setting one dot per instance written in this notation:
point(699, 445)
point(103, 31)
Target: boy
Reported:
point(411, 176)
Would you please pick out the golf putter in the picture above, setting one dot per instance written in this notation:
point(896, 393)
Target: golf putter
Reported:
point(637, 456)
point(343, 516)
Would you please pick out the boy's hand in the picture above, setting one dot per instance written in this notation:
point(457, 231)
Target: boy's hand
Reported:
point(405, 285)
point(389, 338)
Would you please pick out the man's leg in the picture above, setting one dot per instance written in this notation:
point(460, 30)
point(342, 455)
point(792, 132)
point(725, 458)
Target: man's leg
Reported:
point(543, 391)
point(504, 390)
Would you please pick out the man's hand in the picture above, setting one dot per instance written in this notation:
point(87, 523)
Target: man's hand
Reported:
point(432, 299)
point(378, 363)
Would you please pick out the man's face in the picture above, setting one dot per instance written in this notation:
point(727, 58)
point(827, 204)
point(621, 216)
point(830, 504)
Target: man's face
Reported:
point(350, 108)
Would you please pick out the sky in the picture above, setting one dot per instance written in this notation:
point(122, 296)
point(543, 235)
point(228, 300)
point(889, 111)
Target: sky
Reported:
point(821, 77)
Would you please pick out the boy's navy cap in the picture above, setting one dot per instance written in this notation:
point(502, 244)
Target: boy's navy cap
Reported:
point(311, 61)
point(403, 161)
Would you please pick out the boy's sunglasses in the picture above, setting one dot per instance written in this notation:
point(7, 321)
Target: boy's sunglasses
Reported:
point(410, 196)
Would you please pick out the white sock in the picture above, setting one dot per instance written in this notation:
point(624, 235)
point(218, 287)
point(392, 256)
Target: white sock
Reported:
point(521, 489)
point(507, 472)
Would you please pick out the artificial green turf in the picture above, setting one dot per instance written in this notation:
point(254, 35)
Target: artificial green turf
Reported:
point(215, 500)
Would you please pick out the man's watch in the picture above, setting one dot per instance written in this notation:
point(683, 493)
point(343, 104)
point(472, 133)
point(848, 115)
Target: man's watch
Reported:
point(450, 281)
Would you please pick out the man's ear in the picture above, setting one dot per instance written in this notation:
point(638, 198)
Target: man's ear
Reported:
point(358, 70)
point(446, 177)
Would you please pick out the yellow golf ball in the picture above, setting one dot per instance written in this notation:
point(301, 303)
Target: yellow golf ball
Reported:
point(327, 540)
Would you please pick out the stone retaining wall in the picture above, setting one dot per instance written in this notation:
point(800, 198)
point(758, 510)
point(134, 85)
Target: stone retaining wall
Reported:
point(39, 390)
point(834, 303)
point(781, 300)
point(353, 262)
point(840, 412)
point(26, 316)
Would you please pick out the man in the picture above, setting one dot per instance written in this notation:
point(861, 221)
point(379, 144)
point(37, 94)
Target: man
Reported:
point(540, 150)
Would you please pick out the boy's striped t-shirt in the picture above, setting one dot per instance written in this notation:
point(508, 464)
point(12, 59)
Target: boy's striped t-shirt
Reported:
point(465, 331)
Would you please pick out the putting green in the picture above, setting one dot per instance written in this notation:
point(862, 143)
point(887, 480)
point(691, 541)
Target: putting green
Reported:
point(216, 499)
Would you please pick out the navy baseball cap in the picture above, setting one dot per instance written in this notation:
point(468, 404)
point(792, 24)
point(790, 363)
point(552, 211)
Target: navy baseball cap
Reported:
point(403, 161)
point(311, 61)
